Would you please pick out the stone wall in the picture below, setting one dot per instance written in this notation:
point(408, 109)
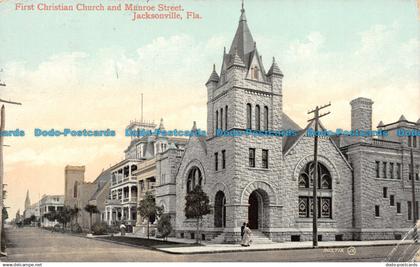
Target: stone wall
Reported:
point(72, 174)
point(330, 156)
point(85, 192)
point(370, 191)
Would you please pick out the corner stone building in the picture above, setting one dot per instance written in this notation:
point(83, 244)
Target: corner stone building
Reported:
point(364, 183)
point(262, 180)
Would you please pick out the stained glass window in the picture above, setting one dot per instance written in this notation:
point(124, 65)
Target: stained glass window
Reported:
point(303, 206)
point(305, 183)
point(326, 207)
point(307, 173)
point(194, 178)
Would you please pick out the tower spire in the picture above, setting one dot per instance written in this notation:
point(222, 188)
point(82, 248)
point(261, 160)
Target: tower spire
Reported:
point(27, 200)
point(243, 17)
point(243, 40)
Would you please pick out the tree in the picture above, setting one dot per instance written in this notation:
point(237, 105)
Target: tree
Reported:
point(74, 212)
point(51, 216)
point(91, 209)
point(196, 206)
point(63, 216)
point(164, 225)
point(5, 214)
point(148, 209)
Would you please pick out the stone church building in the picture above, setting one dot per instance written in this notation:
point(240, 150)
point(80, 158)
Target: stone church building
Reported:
point(364, 186)
point(266, 180)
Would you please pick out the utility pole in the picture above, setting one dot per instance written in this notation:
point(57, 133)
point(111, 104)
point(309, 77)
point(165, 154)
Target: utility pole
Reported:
point(413, 187)
point(316, 118)
point(2, 127)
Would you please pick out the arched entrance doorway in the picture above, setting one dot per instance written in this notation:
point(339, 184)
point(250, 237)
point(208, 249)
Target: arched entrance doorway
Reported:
point(220, 210)
point(257, 209)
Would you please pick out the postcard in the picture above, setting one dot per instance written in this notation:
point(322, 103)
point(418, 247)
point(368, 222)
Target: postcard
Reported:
point(209, 131)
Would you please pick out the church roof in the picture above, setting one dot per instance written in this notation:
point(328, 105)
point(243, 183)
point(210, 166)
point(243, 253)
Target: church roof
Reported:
point(274, 69)
point(236, 60)
point(243, 50)
point(289, 124)
point(214, 77)
point(27, 200)
point(243, 41)
point(101, 181)
point(402, 118)
point(201, 138)
point(291, 141)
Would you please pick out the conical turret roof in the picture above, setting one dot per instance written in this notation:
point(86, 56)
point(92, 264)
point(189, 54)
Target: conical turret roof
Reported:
point(274, 69)
point(243, 40)
point(214, 77)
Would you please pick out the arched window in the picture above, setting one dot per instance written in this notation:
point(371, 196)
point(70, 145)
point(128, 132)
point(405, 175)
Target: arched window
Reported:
point(194, 178)
point(226, 117)
point(76, 184)
point(256, 73)
point(221, 118)
point(306, 176)
point(217, 120)
point(248, 116)
point(257, 118)
point(265, 118)
point(305, 184)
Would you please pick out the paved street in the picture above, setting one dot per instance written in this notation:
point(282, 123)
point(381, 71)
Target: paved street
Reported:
point(36, 245)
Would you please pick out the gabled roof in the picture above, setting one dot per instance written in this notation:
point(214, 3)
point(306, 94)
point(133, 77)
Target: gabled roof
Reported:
point(101, 181)
point(288, 123)
point(103, 176)
point(201, 138)
point(294, 140)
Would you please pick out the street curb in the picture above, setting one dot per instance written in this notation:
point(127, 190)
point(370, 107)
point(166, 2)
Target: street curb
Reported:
point(229, 250)
point(238, 251)
point(272, 249)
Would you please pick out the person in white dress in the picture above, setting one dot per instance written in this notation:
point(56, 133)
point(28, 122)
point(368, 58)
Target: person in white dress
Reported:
point(246, 240)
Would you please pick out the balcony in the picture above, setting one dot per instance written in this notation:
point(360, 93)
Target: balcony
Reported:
point(113, 202)
point(128, 200)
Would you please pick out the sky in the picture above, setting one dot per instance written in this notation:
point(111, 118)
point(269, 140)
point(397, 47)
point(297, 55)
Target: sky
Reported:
point(87, 70)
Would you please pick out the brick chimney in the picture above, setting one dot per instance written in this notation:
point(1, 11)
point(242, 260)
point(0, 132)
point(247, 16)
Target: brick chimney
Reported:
point(361, 117)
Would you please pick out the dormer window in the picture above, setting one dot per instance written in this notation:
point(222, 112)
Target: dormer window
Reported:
point(255, 73)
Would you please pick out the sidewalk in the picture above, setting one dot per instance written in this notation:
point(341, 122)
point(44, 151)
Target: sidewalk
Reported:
point(206, 247)
point(217, 248)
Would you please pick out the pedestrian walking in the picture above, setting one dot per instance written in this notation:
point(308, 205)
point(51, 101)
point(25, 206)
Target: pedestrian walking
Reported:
point(246, 240)
point(122, 229)
point(243, 231)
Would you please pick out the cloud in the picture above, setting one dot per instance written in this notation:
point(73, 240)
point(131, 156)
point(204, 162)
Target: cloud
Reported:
point(307, 49)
